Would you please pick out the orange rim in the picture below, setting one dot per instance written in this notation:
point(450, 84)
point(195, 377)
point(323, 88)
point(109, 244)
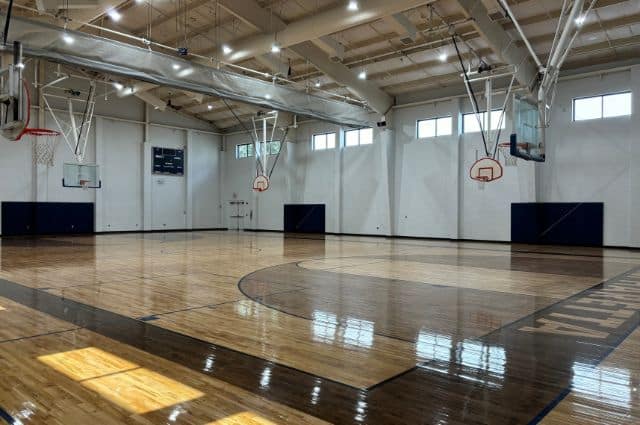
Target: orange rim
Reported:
point(40, 132)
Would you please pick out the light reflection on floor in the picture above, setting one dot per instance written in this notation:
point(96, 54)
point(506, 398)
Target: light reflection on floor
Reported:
point(244, 418)
point(135, 389)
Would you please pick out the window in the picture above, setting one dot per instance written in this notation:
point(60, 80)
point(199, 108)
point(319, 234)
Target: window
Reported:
point(363, 136)
point(324, 141)
point(244, 151)
point(470, 121)
point(273, 147)
point(606, 106)
point(435, 127)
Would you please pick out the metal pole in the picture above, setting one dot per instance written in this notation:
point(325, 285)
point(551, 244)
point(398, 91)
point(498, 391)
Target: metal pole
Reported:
point(522, 35)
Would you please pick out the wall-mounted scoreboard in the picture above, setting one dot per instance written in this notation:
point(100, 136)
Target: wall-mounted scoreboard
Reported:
point(168, 161)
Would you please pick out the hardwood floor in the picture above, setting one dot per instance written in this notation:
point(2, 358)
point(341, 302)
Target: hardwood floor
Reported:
point(258, 328)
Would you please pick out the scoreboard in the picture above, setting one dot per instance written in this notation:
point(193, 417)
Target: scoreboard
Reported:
point(168, 161)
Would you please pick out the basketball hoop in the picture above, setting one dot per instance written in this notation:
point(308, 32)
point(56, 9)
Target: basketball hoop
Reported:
point(485, 170)
point(261, 183)
point(505, 151)
point(44, 142)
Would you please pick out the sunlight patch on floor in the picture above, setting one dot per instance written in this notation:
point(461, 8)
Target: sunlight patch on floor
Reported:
point(135, 389)
point(244, 418)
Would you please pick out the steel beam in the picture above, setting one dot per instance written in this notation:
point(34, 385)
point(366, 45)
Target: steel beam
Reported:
point(502, 44)
point(251, 12)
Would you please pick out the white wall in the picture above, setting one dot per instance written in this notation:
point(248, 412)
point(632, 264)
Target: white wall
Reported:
point(398, 186)
point(131, 198)
point(428, 180)
point(597, 160)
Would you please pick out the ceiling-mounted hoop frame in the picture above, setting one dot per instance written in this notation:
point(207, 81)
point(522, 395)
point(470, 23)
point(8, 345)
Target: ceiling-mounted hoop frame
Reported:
point(75, 135)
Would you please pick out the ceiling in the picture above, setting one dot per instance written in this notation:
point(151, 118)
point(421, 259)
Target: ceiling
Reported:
point(395, 60)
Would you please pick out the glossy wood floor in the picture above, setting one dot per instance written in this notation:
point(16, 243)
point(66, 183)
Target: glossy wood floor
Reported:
point(234, 328)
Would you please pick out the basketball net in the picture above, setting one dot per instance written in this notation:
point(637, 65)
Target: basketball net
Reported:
point(44, 143)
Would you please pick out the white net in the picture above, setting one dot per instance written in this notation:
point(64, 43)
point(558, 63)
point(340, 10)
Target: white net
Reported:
point(509, 160)
point(44, 144)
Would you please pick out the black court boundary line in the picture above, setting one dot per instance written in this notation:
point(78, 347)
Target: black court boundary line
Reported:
point(569, 298)
point(480, 241)
point(561, 396)
point(23, 338)
point(547, 408)
point(260, 300)
point(6, 416)
point(365, 235)
point(77, 306)
point(427, 239)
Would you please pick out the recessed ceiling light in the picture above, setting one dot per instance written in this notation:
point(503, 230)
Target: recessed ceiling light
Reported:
point(114, 15)
point(362, 75)
point(226, 49)
point(68, 39)
point(353, 5)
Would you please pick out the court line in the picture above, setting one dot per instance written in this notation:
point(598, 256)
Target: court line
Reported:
point(549, 407)
point(84, 316)
point(508, 245)
point(39, 335)
point(562, 395)
point(6, 416)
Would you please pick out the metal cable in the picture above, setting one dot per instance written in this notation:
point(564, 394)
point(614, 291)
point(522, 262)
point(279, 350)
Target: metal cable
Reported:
point(473, 95)
point(282, 144)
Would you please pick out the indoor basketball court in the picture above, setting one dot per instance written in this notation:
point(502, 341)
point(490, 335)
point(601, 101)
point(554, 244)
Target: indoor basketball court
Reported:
point(247, 212)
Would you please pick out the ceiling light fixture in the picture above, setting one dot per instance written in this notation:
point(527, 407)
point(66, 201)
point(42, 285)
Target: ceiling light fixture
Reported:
point(118, 86)
point(317, 83)
point(275, 48)
point(226, 49)
point(580, 20)
point(68, 39)
point(442, 57)
point(114, 15)
point(176, 66)
point(209, 107)
point(353, 5)
point(267, 96)
point(362, 75)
